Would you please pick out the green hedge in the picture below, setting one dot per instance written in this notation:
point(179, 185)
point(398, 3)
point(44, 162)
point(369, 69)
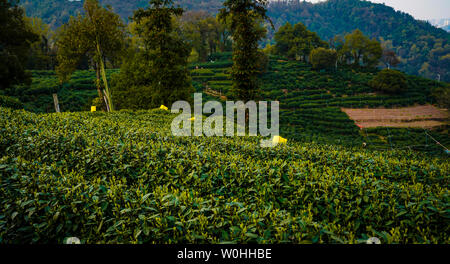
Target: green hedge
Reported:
point(10, 102)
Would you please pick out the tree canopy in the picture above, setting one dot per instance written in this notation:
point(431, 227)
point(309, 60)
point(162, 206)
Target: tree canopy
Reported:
point(297, 42)
point(359, 50)
point(15, 40)
point(322, 58)
point(245, 18)
point(98, 34)
point(389, 81)
point(156, 74)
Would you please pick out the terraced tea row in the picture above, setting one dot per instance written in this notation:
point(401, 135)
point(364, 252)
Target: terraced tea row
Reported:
point(123, 178)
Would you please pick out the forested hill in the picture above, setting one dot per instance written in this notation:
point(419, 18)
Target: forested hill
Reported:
point(57, 12)
point(423, 48)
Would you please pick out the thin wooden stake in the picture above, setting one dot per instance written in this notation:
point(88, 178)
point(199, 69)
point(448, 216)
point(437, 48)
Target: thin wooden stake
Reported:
point(56, 102)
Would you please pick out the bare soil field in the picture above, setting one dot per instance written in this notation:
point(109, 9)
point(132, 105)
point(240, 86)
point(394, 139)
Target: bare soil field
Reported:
point(426, 116)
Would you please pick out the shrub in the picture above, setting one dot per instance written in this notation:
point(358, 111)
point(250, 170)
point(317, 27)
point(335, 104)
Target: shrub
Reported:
point(389, 81)
point(99, 103)
point(10, 102)
point(202, 72)
point(322, 58)
point(442, 95)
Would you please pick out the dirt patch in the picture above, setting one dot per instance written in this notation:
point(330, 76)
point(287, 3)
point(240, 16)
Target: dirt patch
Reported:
point(417, 116)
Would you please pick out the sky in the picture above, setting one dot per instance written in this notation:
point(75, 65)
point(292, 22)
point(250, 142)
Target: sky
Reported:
point(420, 9)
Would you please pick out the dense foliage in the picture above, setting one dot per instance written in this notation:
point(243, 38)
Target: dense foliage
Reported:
point(296, 42)
point(389, 81)
point(74, 95)
point(442, 95)
point(423, 49)
point(322, 58)
point(99, 34)
point(122, 178)
point(358, 50)
point(15, 38)
point(10, 102)
point(42, 54)
point(157, 73)
point(59, 11)
point(245, 19)
point(205, 34)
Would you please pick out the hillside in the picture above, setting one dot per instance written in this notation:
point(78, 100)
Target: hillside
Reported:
point(423, 48)
point(75, 95)
point(123, 178)
point(311, 101)
point(57, 12)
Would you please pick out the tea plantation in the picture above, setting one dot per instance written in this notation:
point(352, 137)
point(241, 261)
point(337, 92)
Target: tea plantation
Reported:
point(310, 100)
point(75, 95)
point(311, 103)
point(123, 178)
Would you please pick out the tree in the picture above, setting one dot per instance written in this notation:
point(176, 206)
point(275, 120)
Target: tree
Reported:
point(389, 58)
point(442, 95)
point(359, 50)
point(297, 42)
point(373, 53)
point(389, 81)
point(245, 17)
point(322, 58)
point(100, 35)
point(15, 41)
point(158, 73)
point(42, 53)
point(202, 31)
point(224, 38)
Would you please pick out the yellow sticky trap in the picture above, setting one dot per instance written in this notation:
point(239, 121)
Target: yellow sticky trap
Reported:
point(192, 119)
point(93, 108)
point(279, 140)
point(163, 107)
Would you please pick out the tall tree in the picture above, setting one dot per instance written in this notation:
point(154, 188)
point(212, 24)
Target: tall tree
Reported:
point(158, 73)
point(202, 32)
point(360, 50)
point(297, 42)
point(245, 16)
point(98, 34)
point(224, 38)
point(15, 40)
point(42, 53)
point(389, 58)
point(322, 58)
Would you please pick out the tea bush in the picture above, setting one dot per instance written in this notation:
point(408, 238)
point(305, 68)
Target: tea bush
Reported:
point(10, 102)
point(75, 95)
point(123, 178)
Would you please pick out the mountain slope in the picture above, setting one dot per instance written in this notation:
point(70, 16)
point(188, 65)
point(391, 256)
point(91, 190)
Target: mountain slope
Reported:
point(424, 49)
point(57, 12)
